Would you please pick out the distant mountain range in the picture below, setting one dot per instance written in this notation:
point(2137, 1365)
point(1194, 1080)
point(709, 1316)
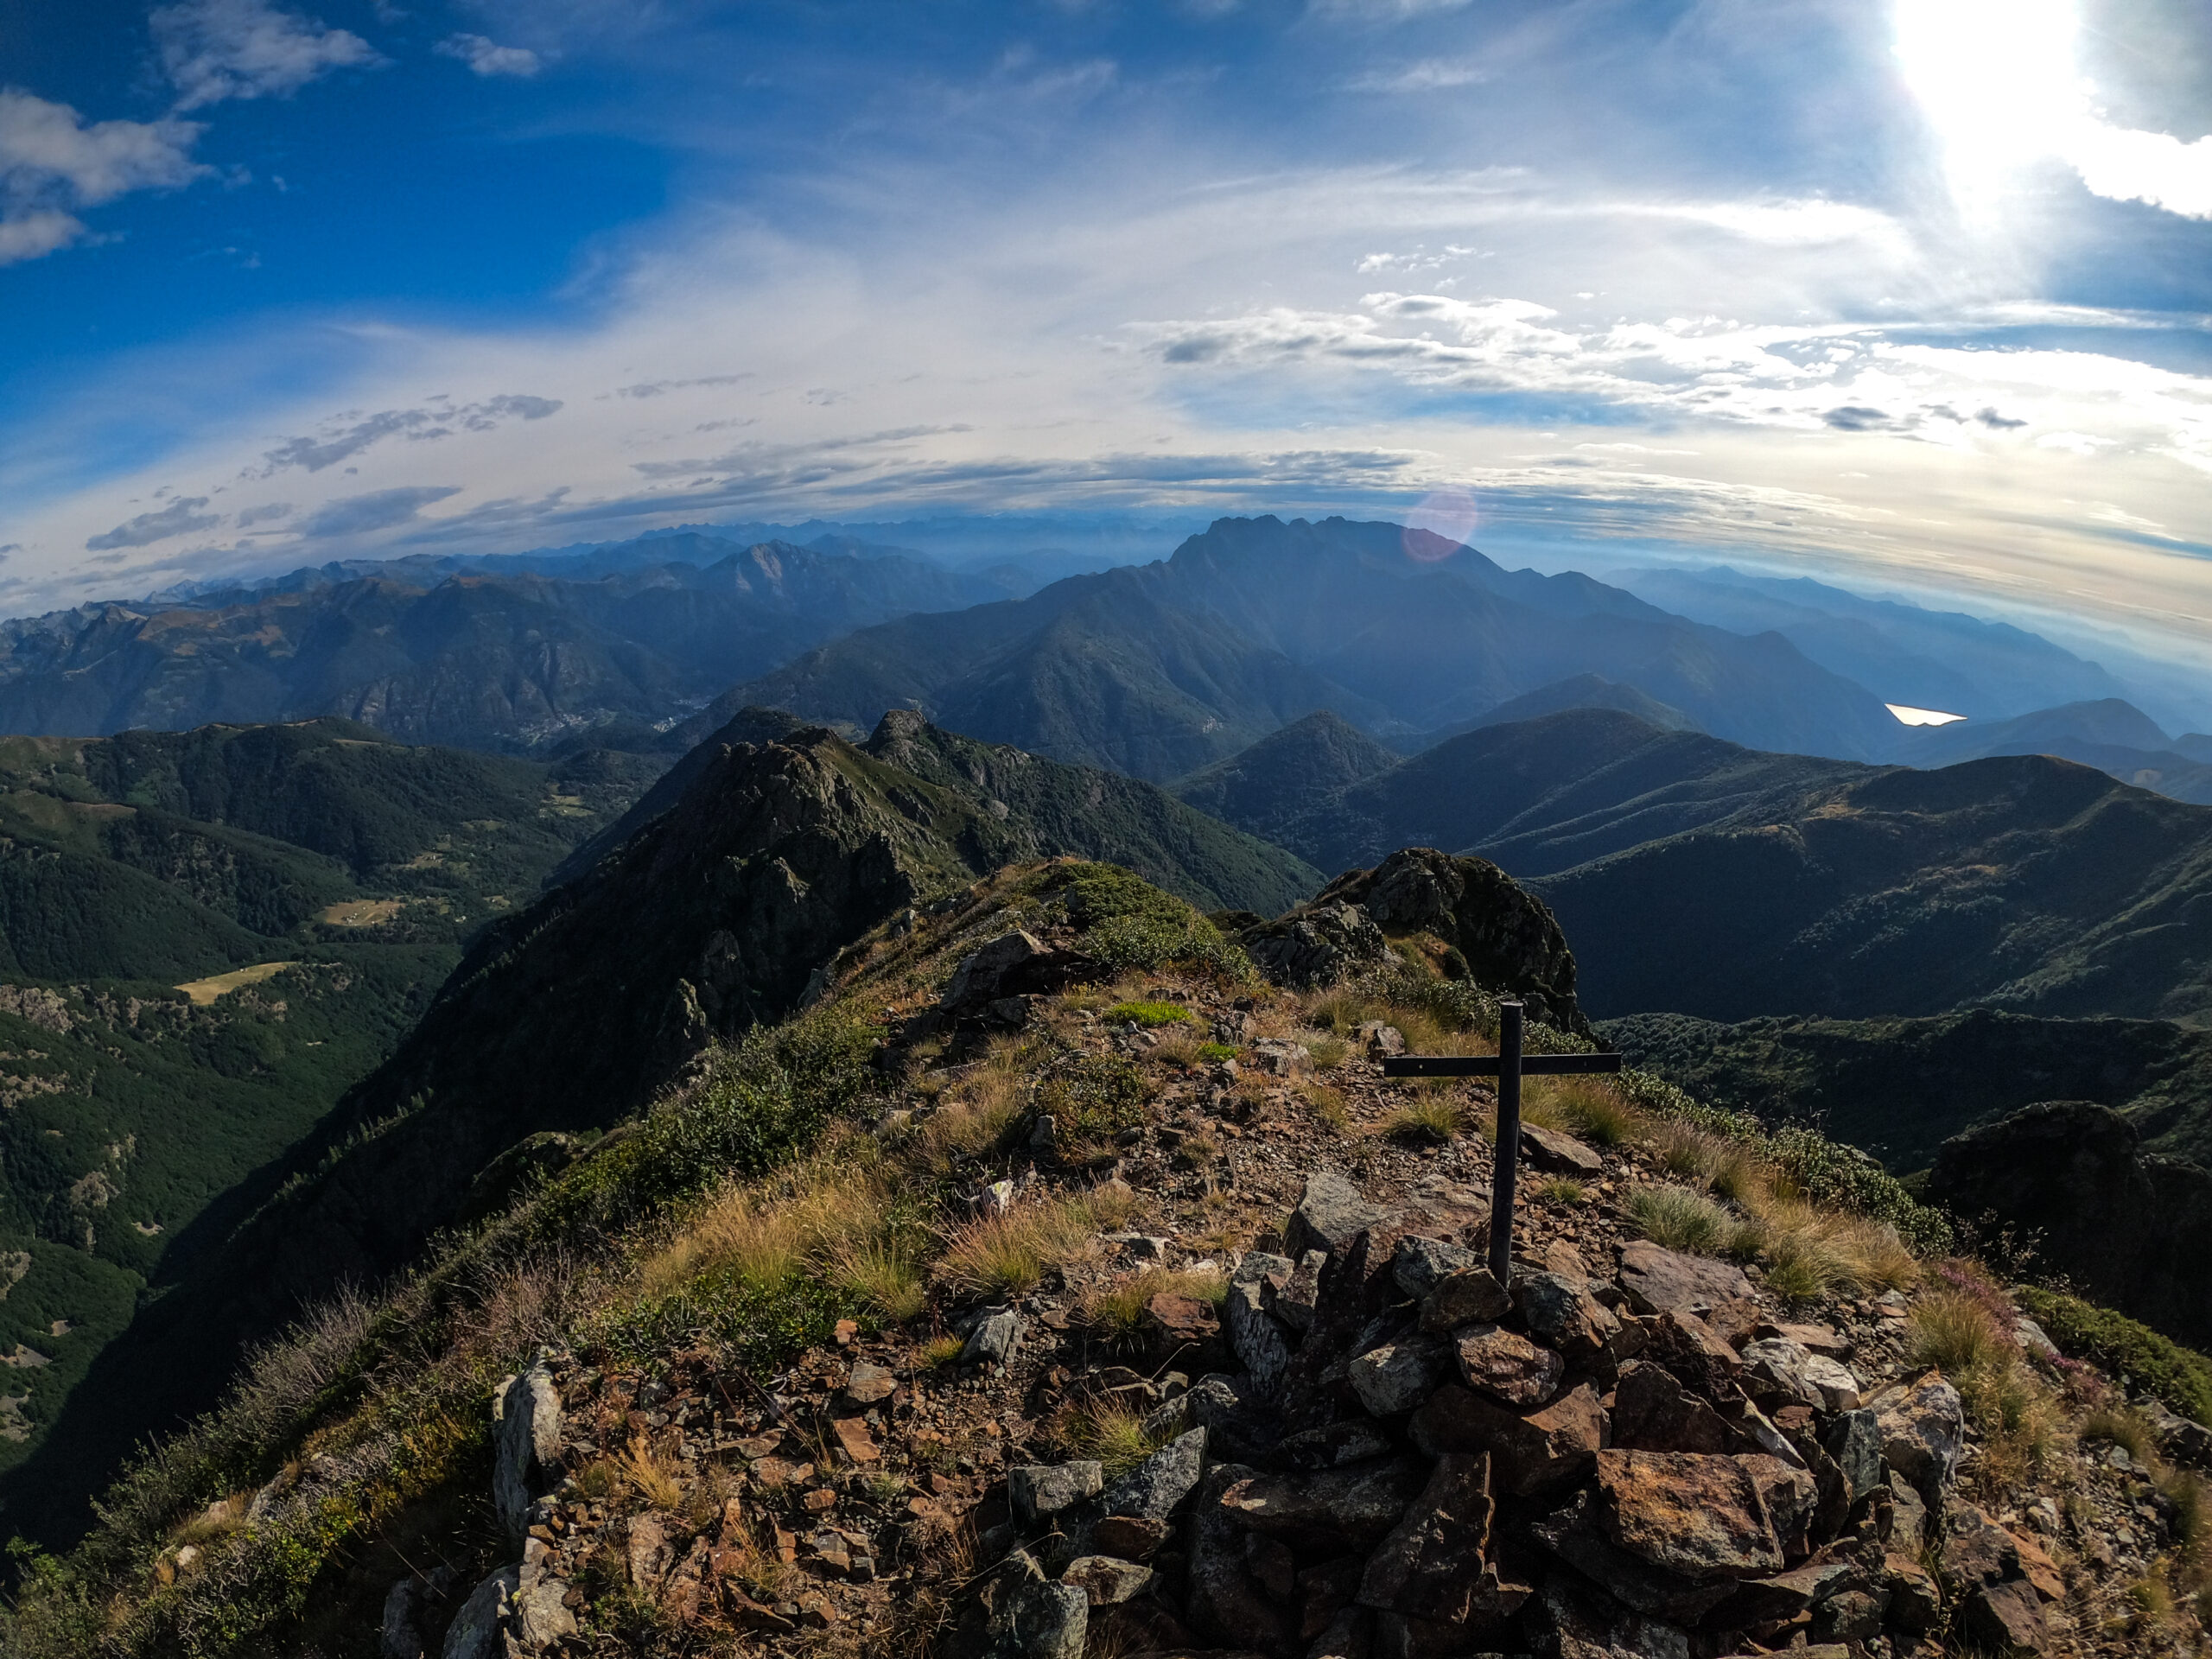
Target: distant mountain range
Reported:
point(1808, 886)
point(489, 661)
point(1161, 669)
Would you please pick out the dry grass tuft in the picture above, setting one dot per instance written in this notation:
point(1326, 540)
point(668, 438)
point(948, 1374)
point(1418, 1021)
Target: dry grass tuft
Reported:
point(1676, 1218)
point(1327, 1105)
point(1114, 1312)
point(1008, 1254)
point(1559, 1188)
point(1587, 1107)
point(1954, 1331)
point(1432, 1118)
point(1107, 1430)
point(654, 1479)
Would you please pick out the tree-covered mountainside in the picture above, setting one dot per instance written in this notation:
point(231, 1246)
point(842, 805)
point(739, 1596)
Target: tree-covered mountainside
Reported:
point(1809, 886)
point(474, 659)
point(205, 937)
point(1162, 670)
point(1901, 1087)
point(1265, 787)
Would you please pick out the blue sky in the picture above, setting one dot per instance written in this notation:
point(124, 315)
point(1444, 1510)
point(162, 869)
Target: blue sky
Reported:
point(1912, 295)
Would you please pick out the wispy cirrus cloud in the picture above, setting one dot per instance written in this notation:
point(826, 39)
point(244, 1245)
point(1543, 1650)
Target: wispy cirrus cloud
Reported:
point(374, 510)
point(352, 434)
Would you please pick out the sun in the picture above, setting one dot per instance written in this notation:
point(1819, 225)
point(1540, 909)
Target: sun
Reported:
point(1997, 80)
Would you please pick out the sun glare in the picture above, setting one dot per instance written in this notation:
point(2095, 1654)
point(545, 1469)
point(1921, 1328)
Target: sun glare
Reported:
point(1997, 79)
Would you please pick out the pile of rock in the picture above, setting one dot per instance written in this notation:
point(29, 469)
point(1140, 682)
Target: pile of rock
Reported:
point(1416, 1461)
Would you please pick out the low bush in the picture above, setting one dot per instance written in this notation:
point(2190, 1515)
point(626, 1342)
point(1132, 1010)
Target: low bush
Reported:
point(1131, 925)
point(2127, 1348)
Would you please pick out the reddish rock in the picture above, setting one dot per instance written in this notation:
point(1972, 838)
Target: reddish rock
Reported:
point(1469, 1296)
point(1698, 1516)
point(1132, 1537)
point(1791, 1496)
point(2042, 1572)
point(1652, 1412)
point(2006, 1619)
point(1177, 1321)
point(1507, 1367)
point(1529, 1451)
point(1433, 1565)
point(854, 1440)
point(1657, 1279)
point(1689, 1348)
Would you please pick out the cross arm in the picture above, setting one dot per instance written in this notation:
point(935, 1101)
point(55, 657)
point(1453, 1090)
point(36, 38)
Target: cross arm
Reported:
point(1485, 1065)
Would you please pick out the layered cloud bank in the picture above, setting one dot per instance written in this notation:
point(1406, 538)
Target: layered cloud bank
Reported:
point(1821, 328)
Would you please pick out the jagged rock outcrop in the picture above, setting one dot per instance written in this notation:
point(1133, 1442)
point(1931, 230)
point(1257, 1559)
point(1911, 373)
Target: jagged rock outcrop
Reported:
point(2130, 1228)
point(1490, 929)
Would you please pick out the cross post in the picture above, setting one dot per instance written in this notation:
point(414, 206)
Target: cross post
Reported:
point(1509, 1065)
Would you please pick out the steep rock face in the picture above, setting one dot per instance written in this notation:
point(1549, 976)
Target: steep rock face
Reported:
point(2129, 1228)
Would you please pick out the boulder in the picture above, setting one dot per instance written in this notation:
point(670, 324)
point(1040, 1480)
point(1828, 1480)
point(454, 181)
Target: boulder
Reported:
point(1156, 1488)
point(1688, 1348)
point(1507, 1367)
point(1331, 1213)
point(1652, 1412)
point(1503, 934)
point(1107, 1580)
point(1529, 1452)
point(1014, 965)
point(1558, 1153)
point(1176, 1323)
point(476, 1630)
point(997, 1333)
point(869, 1385)
point(1695, 1514)
point(525, 1446)
point(1257, 1339)
point(1039, 1491)
point(1277, 1056)
point(1561, 1313)
point(1041, 1620)
point(1292, 1302)
point(539, 1615)
point(1471, 1296)
point(1924, 1426)
point(1834, 1382)
point(1379, 1041)
point(1853, 1441)
point(1775, 1365)
point(1656, 1281)
point(1574, 1535)
point(1129, 1537)
point(1356, 1504)
point(1397, 1377)
point(1352, 1439)
point(1419, 1265)
point(1225, 1601)
point(1575, 1620)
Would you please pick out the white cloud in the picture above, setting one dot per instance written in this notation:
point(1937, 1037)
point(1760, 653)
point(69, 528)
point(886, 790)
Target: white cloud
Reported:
point(34, 235)
point(487, 57)
point(2147, 166)
point(213, 50)
point(47, 146)
point(354, 515)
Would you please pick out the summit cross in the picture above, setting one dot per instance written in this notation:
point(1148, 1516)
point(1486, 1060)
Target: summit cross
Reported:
point(1509, 1065)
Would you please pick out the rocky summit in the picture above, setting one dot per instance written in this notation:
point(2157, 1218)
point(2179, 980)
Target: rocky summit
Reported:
point(1103, 1296)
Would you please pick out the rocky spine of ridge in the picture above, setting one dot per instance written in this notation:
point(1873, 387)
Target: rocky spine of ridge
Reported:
point(1369, 1449)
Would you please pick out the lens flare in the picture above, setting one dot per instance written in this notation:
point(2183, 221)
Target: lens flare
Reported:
point(1448, 514)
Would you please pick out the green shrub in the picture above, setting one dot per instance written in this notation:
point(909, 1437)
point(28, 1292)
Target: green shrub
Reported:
point(1093, 1096)
point(1129, 924)
point(1217, 1051)
point(1150, 1015)
point(2180, 1377)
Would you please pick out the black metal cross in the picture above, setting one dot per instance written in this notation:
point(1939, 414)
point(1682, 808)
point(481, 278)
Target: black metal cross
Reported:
point(1509, 1065)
